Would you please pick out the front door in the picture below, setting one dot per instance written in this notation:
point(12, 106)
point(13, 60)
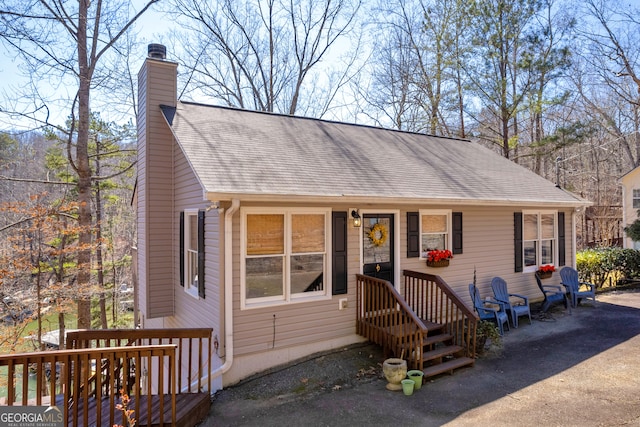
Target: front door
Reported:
point(378, 246)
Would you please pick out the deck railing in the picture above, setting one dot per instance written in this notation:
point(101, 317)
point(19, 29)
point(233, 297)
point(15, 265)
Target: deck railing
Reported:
point(434, 301)
point(60, 379)
point(193, 353)
point(385, 318)
point(155, 367)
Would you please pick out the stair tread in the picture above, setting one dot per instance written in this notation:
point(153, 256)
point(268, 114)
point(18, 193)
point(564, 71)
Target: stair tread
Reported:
point(432, 326)
point(441, 352)
point(448, 366)
point(433, 339)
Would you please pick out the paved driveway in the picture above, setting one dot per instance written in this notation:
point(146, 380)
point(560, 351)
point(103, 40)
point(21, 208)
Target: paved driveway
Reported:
point(578, 369)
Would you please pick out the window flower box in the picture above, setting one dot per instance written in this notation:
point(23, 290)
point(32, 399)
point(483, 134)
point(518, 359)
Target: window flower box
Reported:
point(436, 264)
point(545, 271)
point(439, 258)
point(544, 275)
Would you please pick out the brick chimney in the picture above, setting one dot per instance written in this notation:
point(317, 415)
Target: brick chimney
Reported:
point(157, 85)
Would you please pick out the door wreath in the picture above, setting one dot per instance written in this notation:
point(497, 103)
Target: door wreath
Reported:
point(378, 234)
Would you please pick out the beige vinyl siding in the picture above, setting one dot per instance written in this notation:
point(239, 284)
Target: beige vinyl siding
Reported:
point(294, 324)
point(155, 189)
point(191, 311)
point(489, 248)
point(630, 182)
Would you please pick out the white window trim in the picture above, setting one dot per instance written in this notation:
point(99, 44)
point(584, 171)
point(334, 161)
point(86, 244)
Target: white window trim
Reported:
point(539, 213)
point(448, 213)
point(634, 198)
point(288, 297)
point(189, 288)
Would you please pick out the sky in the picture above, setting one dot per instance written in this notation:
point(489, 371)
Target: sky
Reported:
point(148, 26)
point(151, 26)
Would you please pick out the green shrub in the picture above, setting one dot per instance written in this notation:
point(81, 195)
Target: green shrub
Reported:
point(615, 265)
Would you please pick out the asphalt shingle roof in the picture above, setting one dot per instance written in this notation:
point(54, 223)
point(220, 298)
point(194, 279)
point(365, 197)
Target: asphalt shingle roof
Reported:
point(242, 152)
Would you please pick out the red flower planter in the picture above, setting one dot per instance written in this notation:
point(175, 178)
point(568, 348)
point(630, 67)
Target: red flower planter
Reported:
point(545, 274)
point(441, 263)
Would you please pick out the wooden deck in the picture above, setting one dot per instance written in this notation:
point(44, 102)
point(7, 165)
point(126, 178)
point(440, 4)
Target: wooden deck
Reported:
point(164, 371)
point(191, 409)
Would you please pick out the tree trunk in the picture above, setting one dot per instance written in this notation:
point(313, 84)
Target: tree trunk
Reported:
point(84, 174)
point(39, 290)
point(103, 304)
point(61, 330)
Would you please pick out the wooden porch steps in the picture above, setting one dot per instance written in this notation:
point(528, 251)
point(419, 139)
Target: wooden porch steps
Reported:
point(424, 322)
point(448, 366)
point(443, 357)
point(439, 355)
point(438, 339)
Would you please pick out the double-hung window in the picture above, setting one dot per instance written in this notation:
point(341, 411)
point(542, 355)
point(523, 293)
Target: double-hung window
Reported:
point(192, 251)
point(539, 238)
point(284, 255)
point(636, 198)
point(435, 230)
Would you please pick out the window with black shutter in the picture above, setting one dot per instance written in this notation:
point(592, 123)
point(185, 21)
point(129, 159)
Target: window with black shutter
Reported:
point(339, 257)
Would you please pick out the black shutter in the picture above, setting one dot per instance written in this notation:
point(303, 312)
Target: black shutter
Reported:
point(517, 240)
point(456, 219)
point(413, 234)
point(339, 255)
point(181, 249)
point(561, 240)
point(201, 254)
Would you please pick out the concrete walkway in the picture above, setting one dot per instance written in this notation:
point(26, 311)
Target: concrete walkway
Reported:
point(578, 369)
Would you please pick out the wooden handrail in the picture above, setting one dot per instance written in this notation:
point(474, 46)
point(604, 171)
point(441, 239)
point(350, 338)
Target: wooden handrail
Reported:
point(192, 343)
point(69, 369)
point(431, 298)
point(386, 319)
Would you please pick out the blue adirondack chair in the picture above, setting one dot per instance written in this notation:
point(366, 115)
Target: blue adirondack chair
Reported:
point(498, 315)
point(575, 287)
point(517, 308)
point(552, 295)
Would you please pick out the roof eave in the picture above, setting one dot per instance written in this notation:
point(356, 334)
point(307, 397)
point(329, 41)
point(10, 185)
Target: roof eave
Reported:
point(376, 200)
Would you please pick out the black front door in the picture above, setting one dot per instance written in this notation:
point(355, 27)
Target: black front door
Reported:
point(378, 246)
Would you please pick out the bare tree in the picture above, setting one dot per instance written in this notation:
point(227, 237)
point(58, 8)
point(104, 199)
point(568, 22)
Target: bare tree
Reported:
point(266, 54)
point(415, 72)
point(70, 44)
point(390, 98)
point(612, 56)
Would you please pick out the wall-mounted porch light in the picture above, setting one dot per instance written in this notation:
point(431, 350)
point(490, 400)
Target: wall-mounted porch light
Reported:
point(357, 221)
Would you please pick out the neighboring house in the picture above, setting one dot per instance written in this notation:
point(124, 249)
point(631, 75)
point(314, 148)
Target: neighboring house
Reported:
point(630, 203)
point(246, 222)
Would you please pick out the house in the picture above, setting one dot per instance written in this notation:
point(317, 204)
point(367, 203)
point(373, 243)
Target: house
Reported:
point(257, 224)
point(630, 203)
